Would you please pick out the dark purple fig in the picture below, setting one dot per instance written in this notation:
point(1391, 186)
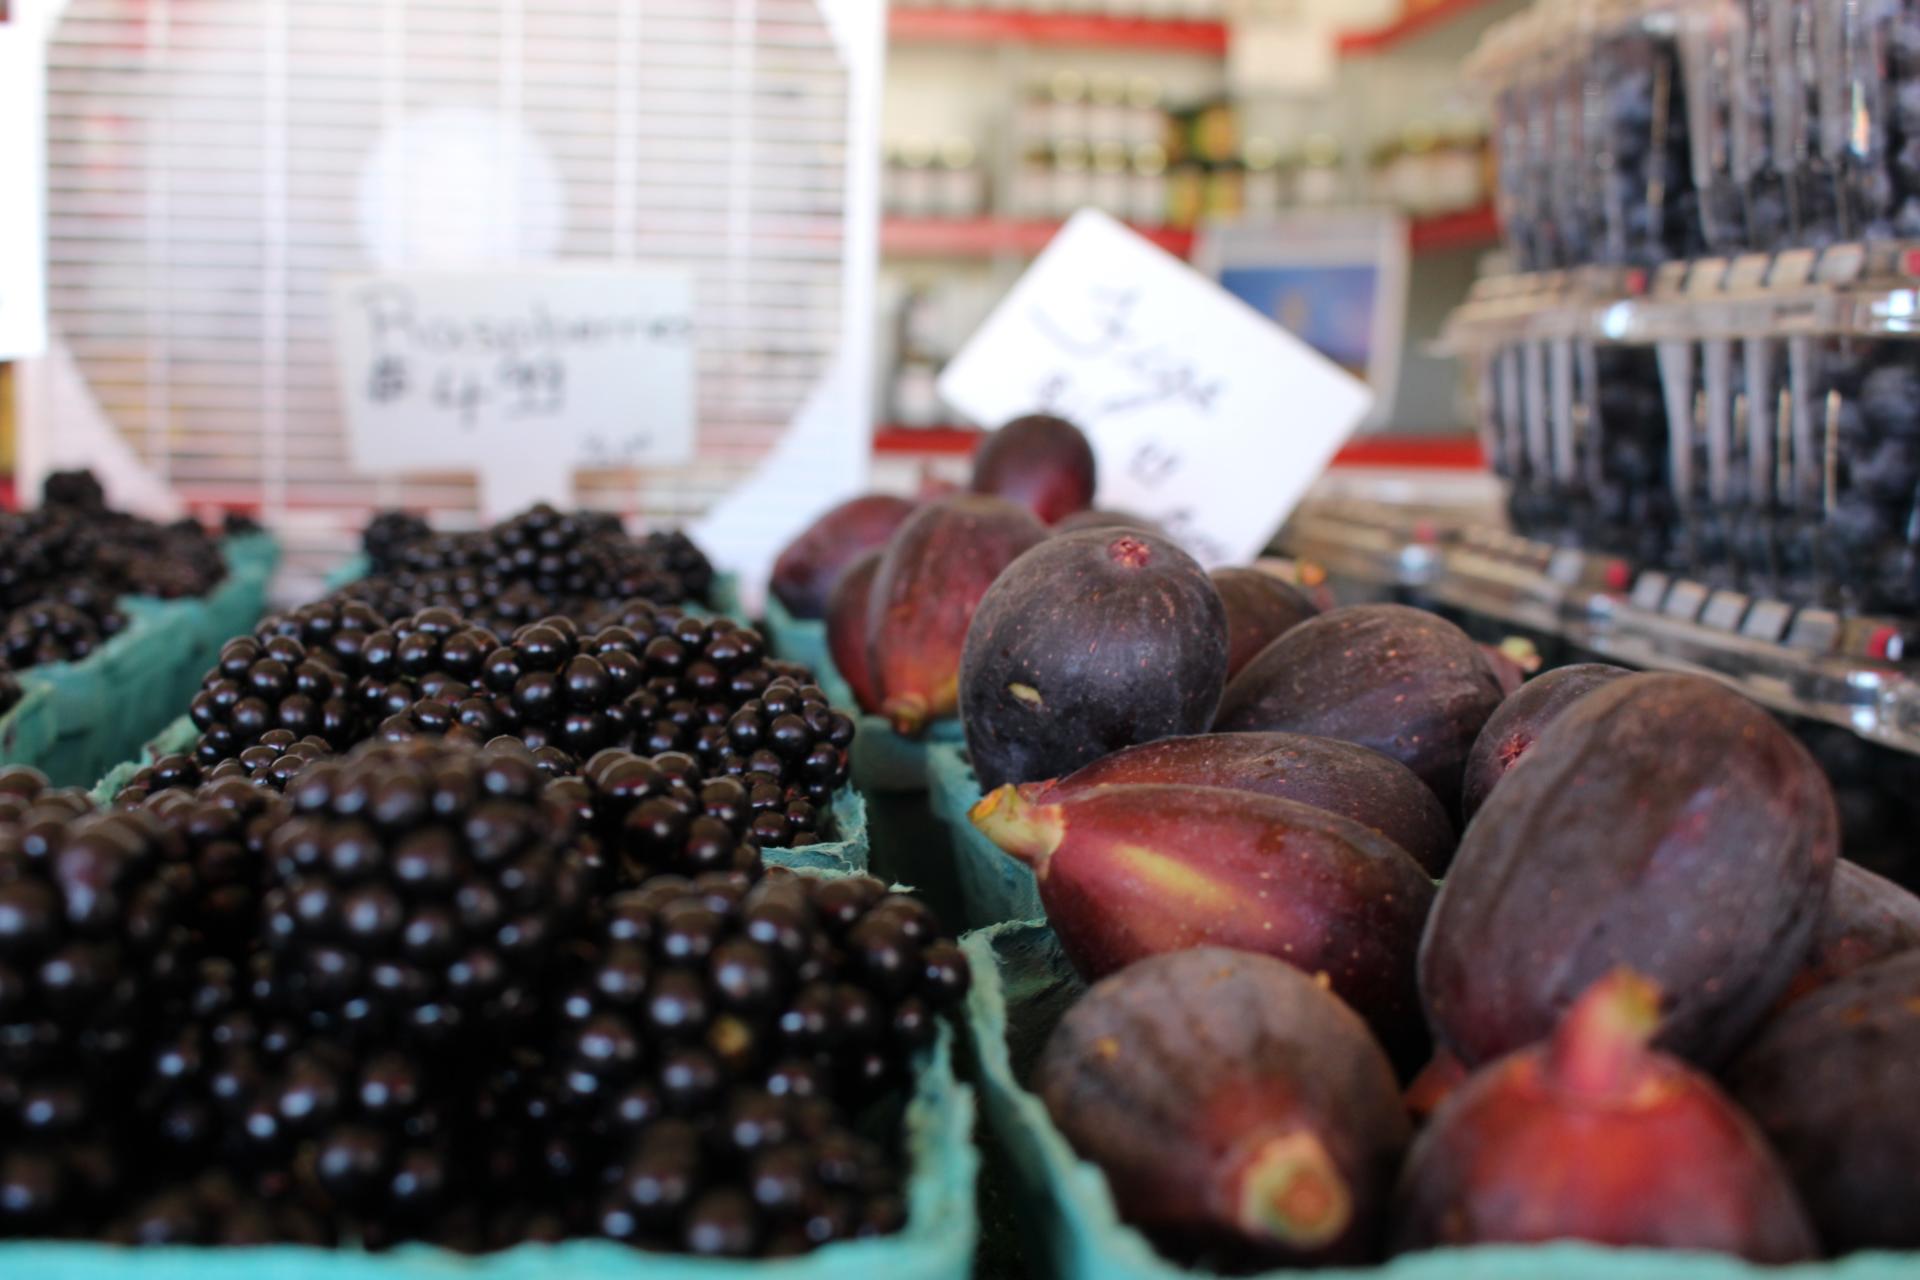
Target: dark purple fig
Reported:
point(1260, 609)
point(1506, 669)
point(804, 575)
point(1129, 872)
point(1097, 519)
point(1834, 1081)
point(1086, 644)
point(847, 644)
point(1518, 723)
point(930, 580)
point(1039, 461)
point(1595, 1136)
point(1237, 1109)
point(1342, 778)
point(1867, 919)
point(1662, 823)
point(1405, 682)
point(1434, 1085)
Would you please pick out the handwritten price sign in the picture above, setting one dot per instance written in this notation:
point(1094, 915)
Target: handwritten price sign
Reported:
point(522, 375)
point(1203, 414)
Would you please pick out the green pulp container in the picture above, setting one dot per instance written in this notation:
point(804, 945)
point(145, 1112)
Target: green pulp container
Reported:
point(1022, 984)
point(78, 718)
point(994, 886)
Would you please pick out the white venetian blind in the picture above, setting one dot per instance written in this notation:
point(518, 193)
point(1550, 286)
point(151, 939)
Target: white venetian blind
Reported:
point(214, 163)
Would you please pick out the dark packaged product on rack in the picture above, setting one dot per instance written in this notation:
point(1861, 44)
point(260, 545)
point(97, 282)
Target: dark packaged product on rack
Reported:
point(1869, 65)
point(1721, 126)
point(1805, 151)
point(1521, 127)
point(1637, 137)
point(1758, 162)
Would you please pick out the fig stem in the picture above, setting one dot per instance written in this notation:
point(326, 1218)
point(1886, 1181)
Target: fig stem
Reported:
point(908, 714)
point(1599, 1046)
point(1290, 1191)
point(1028, 831)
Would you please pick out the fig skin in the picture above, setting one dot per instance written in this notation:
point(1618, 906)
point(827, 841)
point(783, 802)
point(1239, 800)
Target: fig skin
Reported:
point(1834, 1081)
point(1518, 723)
point(1868, 918)
point(1405, 682)
point(847, 629)
point(1127, 872)
point(1662, 822)
point(1595, 1136)
point(1095, 518)
point(1042, 462)
point(804, 575)
point(1086, 644)
point(1437, 1082)
point(1354, 782)
point(1236, 1108)
point(1260, 609)
point(930, 580)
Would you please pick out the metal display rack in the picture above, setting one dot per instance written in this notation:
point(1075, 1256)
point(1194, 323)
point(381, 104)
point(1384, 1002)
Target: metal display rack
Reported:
point(1807, 662)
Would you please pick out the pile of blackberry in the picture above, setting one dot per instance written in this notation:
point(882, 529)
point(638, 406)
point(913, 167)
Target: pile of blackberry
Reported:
point(257, 688)
point(388, 536)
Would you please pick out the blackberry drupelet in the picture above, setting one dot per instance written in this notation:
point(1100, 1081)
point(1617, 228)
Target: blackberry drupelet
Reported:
point(652, 815)
point(553, 690)
point(258, 687)
point(46, 631)
point(79, 489)
point(680, 556)
point(420, 888)
point(389, 535)
point(213, 1210)
point(333, 631)
point(222, 828)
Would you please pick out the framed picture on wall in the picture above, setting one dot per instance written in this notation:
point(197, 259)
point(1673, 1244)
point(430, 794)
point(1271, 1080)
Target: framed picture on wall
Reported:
point(1335, 280)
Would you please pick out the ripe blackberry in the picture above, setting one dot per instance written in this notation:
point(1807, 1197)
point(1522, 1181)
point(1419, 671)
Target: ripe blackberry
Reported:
point(388, 536)
point(213, 1210)
point(420, 886)
point(222, 828)
point(681, 557)
point(652, 815)
point(789, 734)
point(79, 489)
point(553, 690)
point(333, 631)
point(258, 687)
point(9, 688)
point(430, 649)
point(46, 630)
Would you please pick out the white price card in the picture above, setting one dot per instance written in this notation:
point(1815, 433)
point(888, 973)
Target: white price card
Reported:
point(522, 375)
point(23, 304)
point(1204, 414)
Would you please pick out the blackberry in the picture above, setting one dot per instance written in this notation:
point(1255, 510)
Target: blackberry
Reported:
point(9, 688)
point(388, 536)
point(681, 557)
point(235, 523)
point(553, 690)
point(212, 1209)
point(430, 649)
point(79, 489)
point(258, 687)
point(790, 734)
point(655, 815)
point(222, 827)
point(420, 886)
point(333, 631)
point(46, 631)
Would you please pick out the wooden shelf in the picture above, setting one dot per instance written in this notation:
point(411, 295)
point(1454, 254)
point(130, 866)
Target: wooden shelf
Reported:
point(999, 26)
point(1417, 18)
point(989, 237)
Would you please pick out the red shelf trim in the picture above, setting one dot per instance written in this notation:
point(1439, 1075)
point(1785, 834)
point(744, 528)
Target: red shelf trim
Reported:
point(1474, 229)
point(985, 237)
point(1417, 19)
point(979, 26)
point(1445, 453)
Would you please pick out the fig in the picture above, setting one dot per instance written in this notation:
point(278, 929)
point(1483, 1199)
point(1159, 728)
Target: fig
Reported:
point(1342, 778)
point(1520, 720)
point(1506, 669)
point(1260, 609)
point(1042, 462)
point(1127, 872)
point(1867, 918)
point(1596, 1136)
point(1663, 822)
point(1088, 643)
point(1094, 518)
point(1405, 682)
point(847, 629)
point(1834, 1081)
point(1238, 1110)
point(1435, 1084)
point(930, 580)
point(806, 570)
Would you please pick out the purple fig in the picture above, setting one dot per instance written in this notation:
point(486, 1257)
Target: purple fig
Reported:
point(804, 574)
point(847, 606)
point(1260, 609)
point(1518, 723)
point(1042, 462)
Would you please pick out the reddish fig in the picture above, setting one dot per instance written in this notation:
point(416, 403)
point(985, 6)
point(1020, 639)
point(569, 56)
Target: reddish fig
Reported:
point(1339, 777)
point(1435, 1084)
point(1097, 519)
point(929, 582)
point(804, 574)
point(1518, 723)
point(1867, 919)
point(1086, 644)
point(1595, 1136)
point(1128, 872)
point(1507, 669)
point(1260, 609)
point(1237, 1109)
point(847, 629)
point(1834, 1081)
point(1405, 682)
point(1039, 461)
point(1664, 823)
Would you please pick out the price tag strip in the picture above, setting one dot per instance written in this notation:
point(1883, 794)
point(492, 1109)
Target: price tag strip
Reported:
point(1204, 415)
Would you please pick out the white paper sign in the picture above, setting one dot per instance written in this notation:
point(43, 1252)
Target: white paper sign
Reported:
point(23, 303)
point(1203, 414)
point(526, 374)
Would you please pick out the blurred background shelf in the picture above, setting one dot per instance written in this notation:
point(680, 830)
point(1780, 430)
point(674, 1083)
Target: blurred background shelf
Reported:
point(1419, 19)
point(990, 237)
point(1090, 31)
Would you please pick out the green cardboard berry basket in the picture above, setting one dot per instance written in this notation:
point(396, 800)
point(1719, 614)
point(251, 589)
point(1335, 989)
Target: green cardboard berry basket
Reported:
point(994, 887)
point(1022, 984)
point(78, 718)
point(936, 1244)
point(850, 851)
